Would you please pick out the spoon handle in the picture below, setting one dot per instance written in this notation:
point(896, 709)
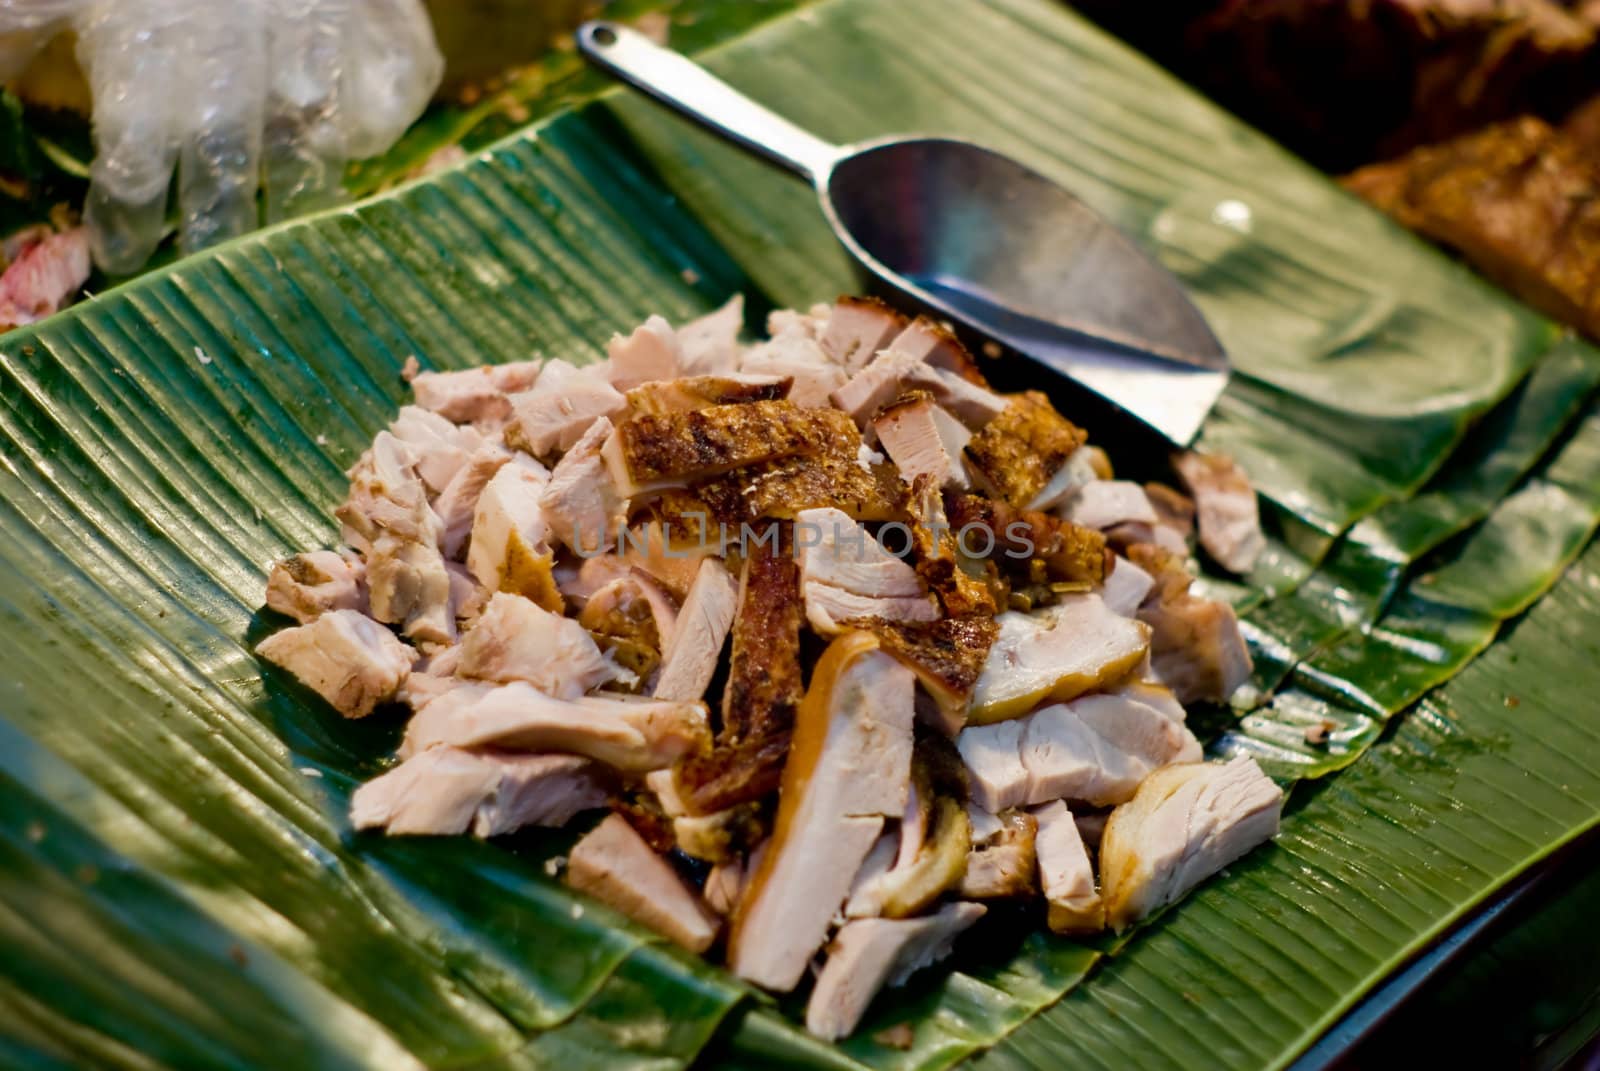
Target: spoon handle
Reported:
point(684, 85)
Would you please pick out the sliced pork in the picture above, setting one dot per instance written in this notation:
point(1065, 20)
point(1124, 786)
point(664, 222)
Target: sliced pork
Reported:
point(344, 656)
point(857, 328)
point(1105, 504)
point(446, 790)
point(798, 358)
point(510, 549)
point(923, 439)
point(1065, 874)
point(702, 392)
point(709, 346)
point(690, 661)
point(650, 352)
point(848, 770)
point(1225, 506)
point(517, 640)
point(1196, 647)
point(478, 396)
point(306, 586)
point(1060, 652)
point(868, 954)
point(614, 865)
point(893, 373)
point(1186, 823)
point(1014, 456)
point(556, 411)
point(629, 734)
point(846, 574)
point(579, 502)
point(1003, 861)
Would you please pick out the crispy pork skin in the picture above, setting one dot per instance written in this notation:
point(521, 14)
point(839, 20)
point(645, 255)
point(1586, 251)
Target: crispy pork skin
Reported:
point(1060, 652)
point(868, 954)
point(448, 791)
point(1185, 823)
point(702, 392)
point(1014, 456)
point(344, 656)
point(690, 659)
point(614, 865)
point(1065, 874)
point(1225, 506)
point(848, 769)
point(306, 586)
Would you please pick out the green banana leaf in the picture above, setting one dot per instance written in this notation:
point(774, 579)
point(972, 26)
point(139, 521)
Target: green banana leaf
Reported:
point(181, 884)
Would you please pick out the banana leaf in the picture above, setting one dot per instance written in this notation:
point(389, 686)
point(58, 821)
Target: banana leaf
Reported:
point(164, 442)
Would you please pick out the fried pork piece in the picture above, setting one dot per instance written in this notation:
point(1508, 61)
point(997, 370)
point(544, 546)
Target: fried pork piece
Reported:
point(510, 549)
point(834, 476)
point(923, 439)
point(446, 790)
point(556, 411)
point(614, 865)
point(764, 688)
point(702, 392)
point(709, 346)
point(1105, 504)
point(868, 954)
point(344, 656)
point(849, 769)
point(1014, 455)
point(439, 447)
point(845, 573)
point(1003, 861)
point(689, 661)
point(456, 504)
point(1060, 652)
point(1077, 471)
point(478, 396)
point(1126, 587)
point(651, 452)
point(946, 655)
point(1230, 520)
point(633, 735)
point(809, 324)
point(1519, 200)
point(649, 353)
point(1068, 551)
point(387, 514)
point(1196, 647)
point(961, 584)
point(857, 328)
point(1186, 823)
point(911, 867)
point(1065, 873)
point(892, 373)
point(652, 549)
point(579, 501)
point(632, 619)
point(306, 586)
point(516, 640)
point(938, 345)
point(800, 358)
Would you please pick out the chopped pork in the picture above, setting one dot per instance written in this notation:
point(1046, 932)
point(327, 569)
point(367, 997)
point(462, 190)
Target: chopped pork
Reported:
point(517, 640)
point(1065, 874)
point(633, 735)
point(1003, 861)
point(857, 328)
point(344, 656)
point(709, 346)
point(846, 574)
point(559, 407)
point(438, 447)
point(1225, 506)
point(938, 346)
point(690, 660)
point(306, 586)
point(1186, 823)
point(651, 352)
point(456, 504)
point(702, 392)
point(1060, 652)
point(579, 502)
point(1074, 473)
point(868, 954)
point(447, 790)
point(476, 396)
point(893, 373)
point(614, 865)
point(44, 277)
point(510, 542)
point(798, 358)
point(849, 769)
point(946, 655)
point(1014, 456)
point(1105, 504)
point(1100, 748)
point(1126, 588)
point(1196, 646)
point(922, 438)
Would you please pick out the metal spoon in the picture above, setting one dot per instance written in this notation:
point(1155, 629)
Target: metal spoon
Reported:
point(975, 237)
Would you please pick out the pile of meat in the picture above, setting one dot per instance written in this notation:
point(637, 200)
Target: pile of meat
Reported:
point(41, 271)
point(846, 642)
